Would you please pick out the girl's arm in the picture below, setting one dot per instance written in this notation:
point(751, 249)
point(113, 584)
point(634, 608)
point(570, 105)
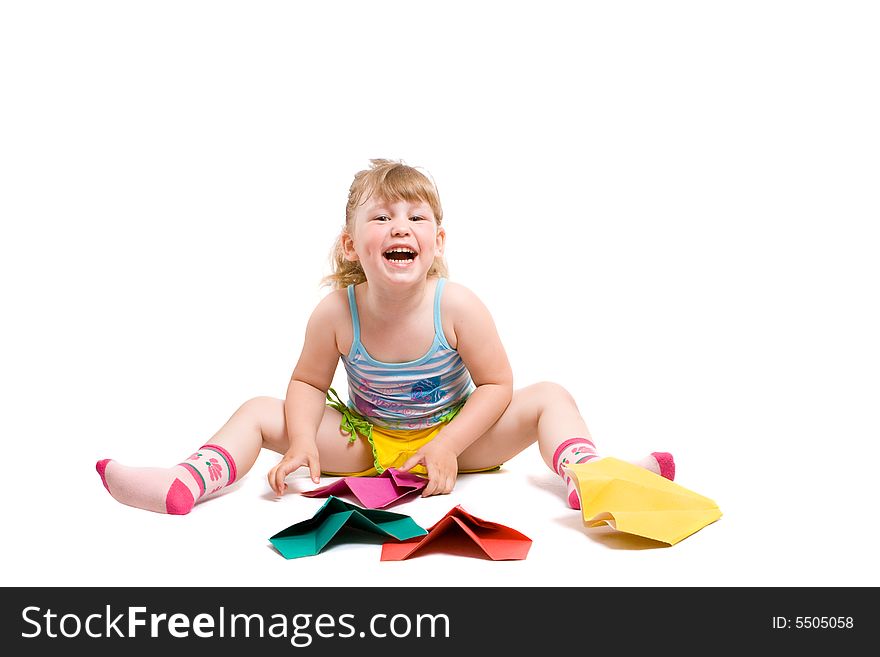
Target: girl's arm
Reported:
point(481, 350)
point(307, 394)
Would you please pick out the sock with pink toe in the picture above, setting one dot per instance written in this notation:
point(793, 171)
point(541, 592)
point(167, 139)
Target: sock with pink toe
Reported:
point(573, 450)
point(582, 450)
point(660, 463)
point(172, 490)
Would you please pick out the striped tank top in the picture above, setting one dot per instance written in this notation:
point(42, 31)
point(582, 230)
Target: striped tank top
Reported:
point(406, 396)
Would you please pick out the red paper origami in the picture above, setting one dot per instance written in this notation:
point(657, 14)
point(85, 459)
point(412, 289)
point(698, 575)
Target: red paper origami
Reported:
point(374, 492)
point(459, 532)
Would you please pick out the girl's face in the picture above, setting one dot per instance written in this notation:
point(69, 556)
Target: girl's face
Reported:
point(395, 242)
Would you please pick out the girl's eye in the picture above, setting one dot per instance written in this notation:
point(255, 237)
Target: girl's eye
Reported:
point(382, 217)
point(416, 218)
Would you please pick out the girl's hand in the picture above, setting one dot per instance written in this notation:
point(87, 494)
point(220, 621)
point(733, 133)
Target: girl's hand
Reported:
point(442, 466)
point(294, 459)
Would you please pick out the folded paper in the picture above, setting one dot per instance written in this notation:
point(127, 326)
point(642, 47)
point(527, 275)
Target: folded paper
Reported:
point(459, 532)
point(374, 492)
point(637, 501)
point(309, 537)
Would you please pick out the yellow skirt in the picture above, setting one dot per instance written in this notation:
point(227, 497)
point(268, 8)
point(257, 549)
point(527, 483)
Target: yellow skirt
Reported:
point(391, 447)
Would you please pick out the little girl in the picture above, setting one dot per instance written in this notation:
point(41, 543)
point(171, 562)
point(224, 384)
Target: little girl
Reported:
point(429, 383)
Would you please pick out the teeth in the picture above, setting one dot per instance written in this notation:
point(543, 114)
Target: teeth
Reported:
point(400, 254)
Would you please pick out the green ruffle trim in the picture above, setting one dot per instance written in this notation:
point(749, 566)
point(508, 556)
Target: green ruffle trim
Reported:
point(351, 423)
point(354, 424)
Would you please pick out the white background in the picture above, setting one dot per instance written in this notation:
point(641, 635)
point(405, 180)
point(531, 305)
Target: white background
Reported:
point(670, 208)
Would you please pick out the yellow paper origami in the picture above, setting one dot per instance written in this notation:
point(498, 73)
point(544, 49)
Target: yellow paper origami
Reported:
point(637, 501)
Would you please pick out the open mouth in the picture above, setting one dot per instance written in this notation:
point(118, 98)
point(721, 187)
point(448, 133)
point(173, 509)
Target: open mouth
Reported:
point(400, 255)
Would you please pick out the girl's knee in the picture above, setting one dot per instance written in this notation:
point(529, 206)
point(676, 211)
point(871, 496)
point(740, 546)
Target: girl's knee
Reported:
point(265, 416)
point(262, 407)
point(548, 393)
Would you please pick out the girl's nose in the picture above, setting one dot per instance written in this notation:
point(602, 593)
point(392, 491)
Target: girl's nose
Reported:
point(400, 227)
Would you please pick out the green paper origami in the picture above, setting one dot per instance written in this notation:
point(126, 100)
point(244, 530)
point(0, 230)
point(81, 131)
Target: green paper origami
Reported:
point(309, 537)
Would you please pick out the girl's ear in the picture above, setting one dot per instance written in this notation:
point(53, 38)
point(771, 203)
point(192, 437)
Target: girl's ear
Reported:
point(348, 251)
point(441, 240)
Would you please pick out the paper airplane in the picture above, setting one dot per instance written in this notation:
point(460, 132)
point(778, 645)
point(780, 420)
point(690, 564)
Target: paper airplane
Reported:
point(374, 492)
point(309, 537)
point(634, 500)
point(458, 532)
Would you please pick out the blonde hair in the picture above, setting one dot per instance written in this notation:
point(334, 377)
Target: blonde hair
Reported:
point(389, 180)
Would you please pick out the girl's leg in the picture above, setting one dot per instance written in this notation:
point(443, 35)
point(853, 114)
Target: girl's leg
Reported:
point(546, 413)
point(226, 458)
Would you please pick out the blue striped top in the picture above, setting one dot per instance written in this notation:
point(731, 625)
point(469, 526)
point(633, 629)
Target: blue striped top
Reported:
point(407, 396)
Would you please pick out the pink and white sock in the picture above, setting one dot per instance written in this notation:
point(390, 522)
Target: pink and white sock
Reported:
point(582, 450)
point(573, 450)
point(660, 463)
point(172, 490)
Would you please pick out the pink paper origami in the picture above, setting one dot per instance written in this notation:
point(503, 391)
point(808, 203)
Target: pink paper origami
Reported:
point(374, 492)
point(460, 533)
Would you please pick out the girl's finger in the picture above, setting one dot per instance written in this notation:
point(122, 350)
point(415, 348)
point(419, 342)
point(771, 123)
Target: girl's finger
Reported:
point(281, 474)
point(411, 462)
point(315, 470)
